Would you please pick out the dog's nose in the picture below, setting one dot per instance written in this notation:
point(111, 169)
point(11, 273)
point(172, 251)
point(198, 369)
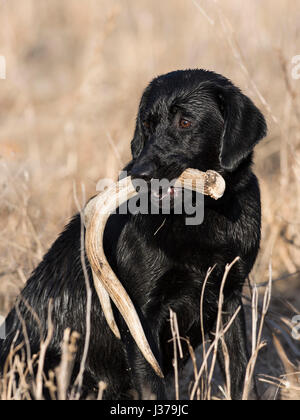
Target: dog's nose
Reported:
point(144, 171)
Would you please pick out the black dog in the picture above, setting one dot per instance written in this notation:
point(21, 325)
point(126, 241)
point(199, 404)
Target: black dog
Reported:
point(187, 119)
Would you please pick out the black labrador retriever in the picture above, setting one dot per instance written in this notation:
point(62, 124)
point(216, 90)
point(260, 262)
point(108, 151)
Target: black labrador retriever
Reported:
point(187, 119)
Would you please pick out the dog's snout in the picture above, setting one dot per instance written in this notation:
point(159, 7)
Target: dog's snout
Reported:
point(143, 171)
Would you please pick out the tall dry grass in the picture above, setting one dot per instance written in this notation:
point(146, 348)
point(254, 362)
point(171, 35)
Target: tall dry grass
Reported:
point(75, 73)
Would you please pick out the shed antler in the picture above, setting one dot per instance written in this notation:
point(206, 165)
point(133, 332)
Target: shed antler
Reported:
point(106, 283)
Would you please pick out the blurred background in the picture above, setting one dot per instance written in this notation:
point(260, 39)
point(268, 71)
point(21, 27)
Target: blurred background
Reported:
point(75, 71)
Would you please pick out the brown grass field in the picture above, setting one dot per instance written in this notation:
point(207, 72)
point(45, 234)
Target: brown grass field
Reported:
point(75, 71)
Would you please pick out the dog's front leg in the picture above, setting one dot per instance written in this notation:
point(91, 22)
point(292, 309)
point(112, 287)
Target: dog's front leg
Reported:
point(236, 344)
point(145, 381)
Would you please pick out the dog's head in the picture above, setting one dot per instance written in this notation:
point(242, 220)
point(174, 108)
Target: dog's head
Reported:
point(193, 119)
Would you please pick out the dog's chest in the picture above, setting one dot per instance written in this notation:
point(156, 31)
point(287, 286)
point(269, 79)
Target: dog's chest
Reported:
point(168, 259)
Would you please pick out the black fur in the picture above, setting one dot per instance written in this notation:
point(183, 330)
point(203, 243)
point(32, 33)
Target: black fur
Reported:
point(167, 269)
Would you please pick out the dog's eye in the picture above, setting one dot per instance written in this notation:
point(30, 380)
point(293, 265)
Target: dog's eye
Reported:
point(146, 124)
point(183, 123)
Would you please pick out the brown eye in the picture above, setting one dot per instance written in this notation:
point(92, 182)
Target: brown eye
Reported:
point(183, 123)
point(146, 124)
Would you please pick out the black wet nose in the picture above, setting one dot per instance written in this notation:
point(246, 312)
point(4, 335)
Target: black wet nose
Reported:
point(143, 171)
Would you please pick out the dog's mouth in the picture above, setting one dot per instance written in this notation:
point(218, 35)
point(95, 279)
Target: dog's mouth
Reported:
point(161, 194)
point(157, 190)
point(166, 198)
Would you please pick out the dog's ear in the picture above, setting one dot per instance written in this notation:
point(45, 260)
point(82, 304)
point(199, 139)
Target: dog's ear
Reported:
point(138, 140)
point(244, 126)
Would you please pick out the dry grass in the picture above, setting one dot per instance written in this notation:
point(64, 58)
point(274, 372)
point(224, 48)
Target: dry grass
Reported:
point(65, 117)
